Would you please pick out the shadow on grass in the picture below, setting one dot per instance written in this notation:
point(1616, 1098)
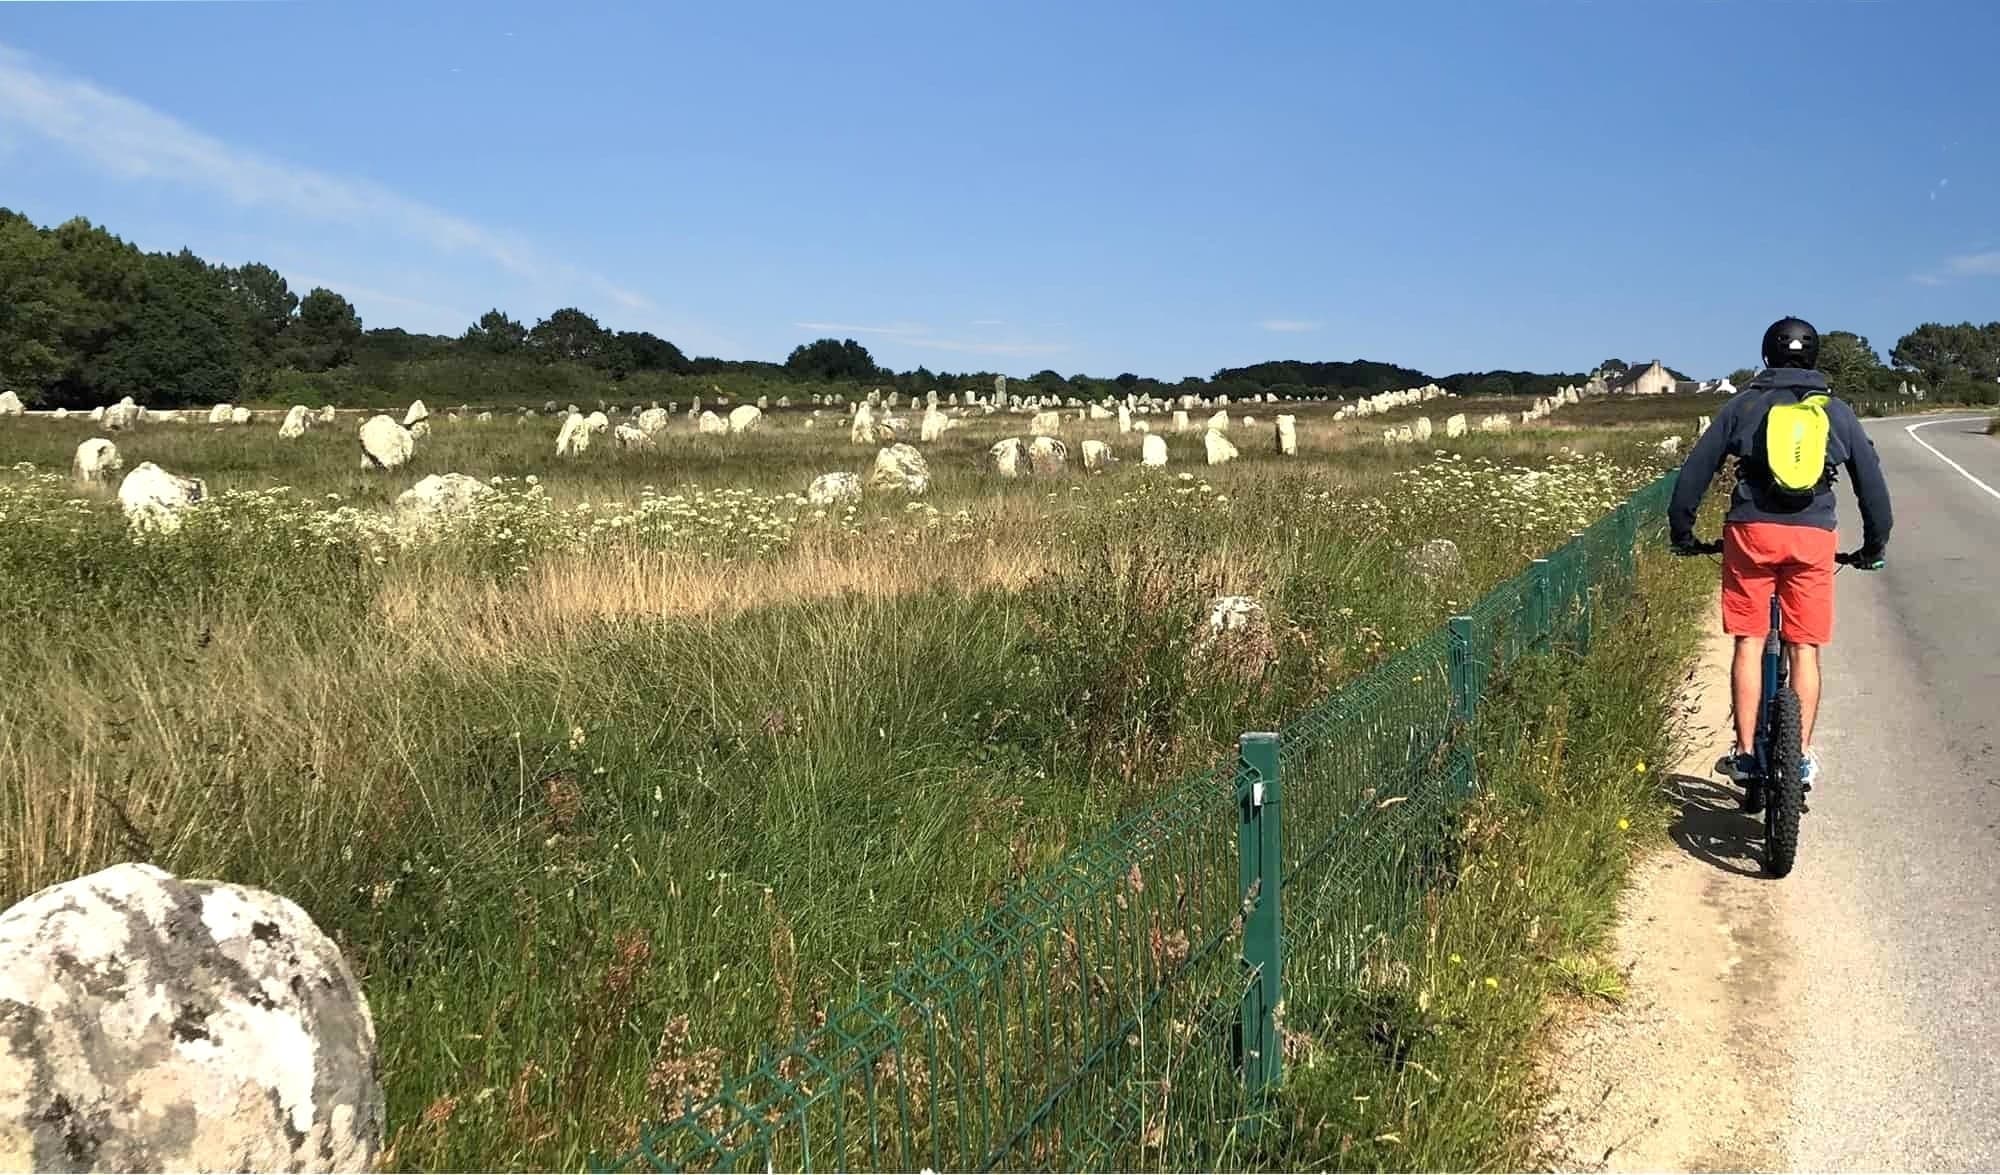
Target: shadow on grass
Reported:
point(1712, 827)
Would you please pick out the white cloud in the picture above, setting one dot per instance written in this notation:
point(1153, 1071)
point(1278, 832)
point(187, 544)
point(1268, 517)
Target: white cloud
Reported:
point(848, 328)
point(1985, 264)
point(1289, 325)
point(130, 140)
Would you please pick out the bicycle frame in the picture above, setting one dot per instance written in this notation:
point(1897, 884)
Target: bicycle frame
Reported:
point(1773, 681)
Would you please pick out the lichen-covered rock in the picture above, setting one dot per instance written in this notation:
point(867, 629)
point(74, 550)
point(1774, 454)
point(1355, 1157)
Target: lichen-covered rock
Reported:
point(297, 420)
point(902, 468)
point(1181, 423)
point(1153, 451)
point(933, 426)
point(327, 415)
point(123, 415)
point(1097, 456)
point(709, 424)
point(149, 1024)
point(1045, 422)
point(1232, 613)
point(747, 418)
point(862, 429)
point(441, 495)
point(10, 403)
point(1435, 560)
point(416, 413)
point(1219, 422)
point(240, 416)
point(385, 444)
point(573, 437)
point(1220, 451)
point(832, 489)
point(1422, 429)
point(654, 421)
point(1048, 456)
point(96, 460)
point(631, 436)
point(1009, 457)
point(1454, 425)
point(219, 414)
point(153, 499)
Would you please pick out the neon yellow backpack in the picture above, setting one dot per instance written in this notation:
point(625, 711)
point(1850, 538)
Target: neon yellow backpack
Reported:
point(1794, 448)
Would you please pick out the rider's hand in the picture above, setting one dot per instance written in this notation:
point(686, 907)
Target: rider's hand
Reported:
point(1869, 559)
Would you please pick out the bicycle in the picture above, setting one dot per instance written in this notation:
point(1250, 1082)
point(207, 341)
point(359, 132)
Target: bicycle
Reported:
point(1778, 788)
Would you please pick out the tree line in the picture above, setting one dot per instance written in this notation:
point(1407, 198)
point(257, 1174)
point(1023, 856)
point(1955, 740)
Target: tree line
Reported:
point(86, 318)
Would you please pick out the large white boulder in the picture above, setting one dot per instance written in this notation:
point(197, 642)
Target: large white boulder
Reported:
point(901, 467)
point(709, 424)
point(96, 460)
point(10, 403)
point(327, 415)
point(153, 499)
point(97, 414)
point(385, 444)
point(1219, 422)
point(862, 430)
point(417, 412)
point(1045, 422)
point(747, 418)
point(1220, 451)
point(1048, 456)
point(1422, 429)
point(1009, 457)
point(934, 425)
point(654, 420)
point(1435, 559)
point(297, 420)
point(631, 436)
point(1153, 450)
point(1181, 423)
point(240, 415)
point(153, 1024)
point(573, 437)
point(832, 489)
point(1454, 425)
point(1097, 456)
point(219, 413)
point(123, 415)
point(441, 495)
point(1288, 435)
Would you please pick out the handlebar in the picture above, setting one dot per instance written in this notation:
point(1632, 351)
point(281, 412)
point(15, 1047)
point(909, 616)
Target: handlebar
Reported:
point(1855, 559)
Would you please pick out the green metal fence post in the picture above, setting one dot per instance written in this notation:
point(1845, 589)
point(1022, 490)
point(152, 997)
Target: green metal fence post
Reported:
point(1540, 615)
point(1586, 581)
point(1464, 671)
point(1258, 872)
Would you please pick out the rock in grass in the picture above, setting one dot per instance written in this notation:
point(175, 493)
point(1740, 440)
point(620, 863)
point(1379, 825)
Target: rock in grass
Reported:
point(153, 499)
point(654, 421)
point(1454, 425)
point(1009, 457)
point(832, 489)
point(748, 418)
point(1219, 422)
point(901, 468)
point(219, 414)
point(10, 403)
point(417, 412)
point(1220, 451)
point(441, 495)
point(385, 444)
point(149, 1023)
point(297, 420)
point(123, 415)
point(96, 460)
point(1288, 436)
point(631, 436)
point(1153, 451)
point(1045, 422)
point(241, 416)
point(1435, 560)
point(1048, 456)
point(1233, 613)
point(933, 426)
point(327, 415)
point(709, 424)
point(1097, 456)
point(1422, 429)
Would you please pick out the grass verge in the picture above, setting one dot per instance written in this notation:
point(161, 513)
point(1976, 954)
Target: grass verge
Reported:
point(1427, 1062)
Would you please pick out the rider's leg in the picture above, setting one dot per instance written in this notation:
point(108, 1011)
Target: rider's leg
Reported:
point(1746, 680)
point(1804, 664)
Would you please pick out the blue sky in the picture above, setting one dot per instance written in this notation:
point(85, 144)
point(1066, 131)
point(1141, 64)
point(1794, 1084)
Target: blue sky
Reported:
point(1160, 188)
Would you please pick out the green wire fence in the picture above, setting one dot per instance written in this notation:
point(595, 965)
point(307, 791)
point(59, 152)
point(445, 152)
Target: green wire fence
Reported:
point(1124, 1009)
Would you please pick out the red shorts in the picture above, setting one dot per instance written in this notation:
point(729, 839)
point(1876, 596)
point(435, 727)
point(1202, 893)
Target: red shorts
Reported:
point(1759, 558)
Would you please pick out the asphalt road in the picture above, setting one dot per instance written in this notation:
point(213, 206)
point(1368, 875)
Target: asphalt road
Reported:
point(1893, 913)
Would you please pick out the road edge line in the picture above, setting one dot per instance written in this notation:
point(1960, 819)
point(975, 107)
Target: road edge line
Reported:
point(1967, 474)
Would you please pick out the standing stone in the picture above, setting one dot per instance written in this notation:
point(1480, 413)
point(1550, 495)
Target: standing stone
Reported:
point(1124, 418)
point(1454, 425)
point(831, 489)
point(239, 416)
point(219, 414)
point(654, 421)
point(1423, 428)
point(747, 418)
point(631, 436)
point(123, 415)
point(1009, 458)
point(934, 424)
point(326, 415)
point(1153, 451)
point(96, 460)
point(385, 444)
point(1097, 456)
point(573, 437)
point(10, 403)
point(862, 431)
point(153, 499)
point(1181, 421)
point(1045, 422)
point(901, 467)
point(297, 420)
point(416, 413)
point(1701, 426)
point(1219, 422)
point(1220, 451)
point(1288, 435)
point(1048, 456)
point(441, 495)
point(149, 1023)
point(1000, 388)
point(709, 424)
point(1100, 412)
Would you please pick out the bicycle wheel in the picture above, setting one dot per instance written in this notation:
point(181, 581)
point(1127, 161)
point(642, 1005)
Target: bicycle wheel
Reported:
point(1784, 791)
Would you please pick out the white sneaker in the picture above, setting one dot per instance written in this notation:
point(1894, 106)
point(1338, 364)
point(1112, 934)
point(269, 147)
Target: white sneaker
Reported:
point(1808, 768)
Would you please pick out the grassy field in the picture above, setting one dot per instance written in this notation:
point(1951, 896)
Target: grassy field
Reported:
point(645, 763)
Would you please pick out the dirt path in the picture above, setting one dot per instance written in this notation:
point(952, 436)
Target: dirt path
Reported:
point(1663, 1081)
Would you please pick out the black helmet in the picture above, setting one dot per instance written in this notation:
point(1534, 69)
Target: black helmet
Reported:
point(1791, 342)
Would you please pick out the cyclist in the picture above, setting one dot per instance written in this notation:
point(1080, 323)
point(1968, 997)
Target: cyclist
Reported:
point(1775, 540)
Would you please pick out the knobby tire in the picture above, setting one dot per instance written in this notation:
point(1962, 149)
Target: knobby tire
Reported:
point(1784, 791)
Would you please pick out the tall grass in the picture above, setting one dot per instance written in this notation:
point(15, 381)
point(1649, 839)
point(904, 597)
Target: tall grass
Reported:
point(604, 813)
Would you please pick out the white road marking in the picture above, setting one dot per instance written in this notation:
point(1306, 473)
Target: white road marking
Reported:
point(1967, 473)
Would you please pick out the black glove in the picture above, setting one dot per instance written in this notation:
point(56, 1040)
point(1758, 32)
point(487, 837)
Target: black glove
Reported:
point(1870, 558)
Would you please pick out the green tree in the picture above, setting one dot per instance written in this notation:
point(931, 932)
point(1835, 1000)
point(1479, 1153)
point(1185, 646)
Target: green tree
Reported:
point(32, 308)
point(265, 305)
point(639, 350)
point(495, 334)
point(832, 359)
point(1944, 354)
point(183, 342)
point(1741, 376)
point(325, 333)
point(570, 335)
point(1847, 360)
